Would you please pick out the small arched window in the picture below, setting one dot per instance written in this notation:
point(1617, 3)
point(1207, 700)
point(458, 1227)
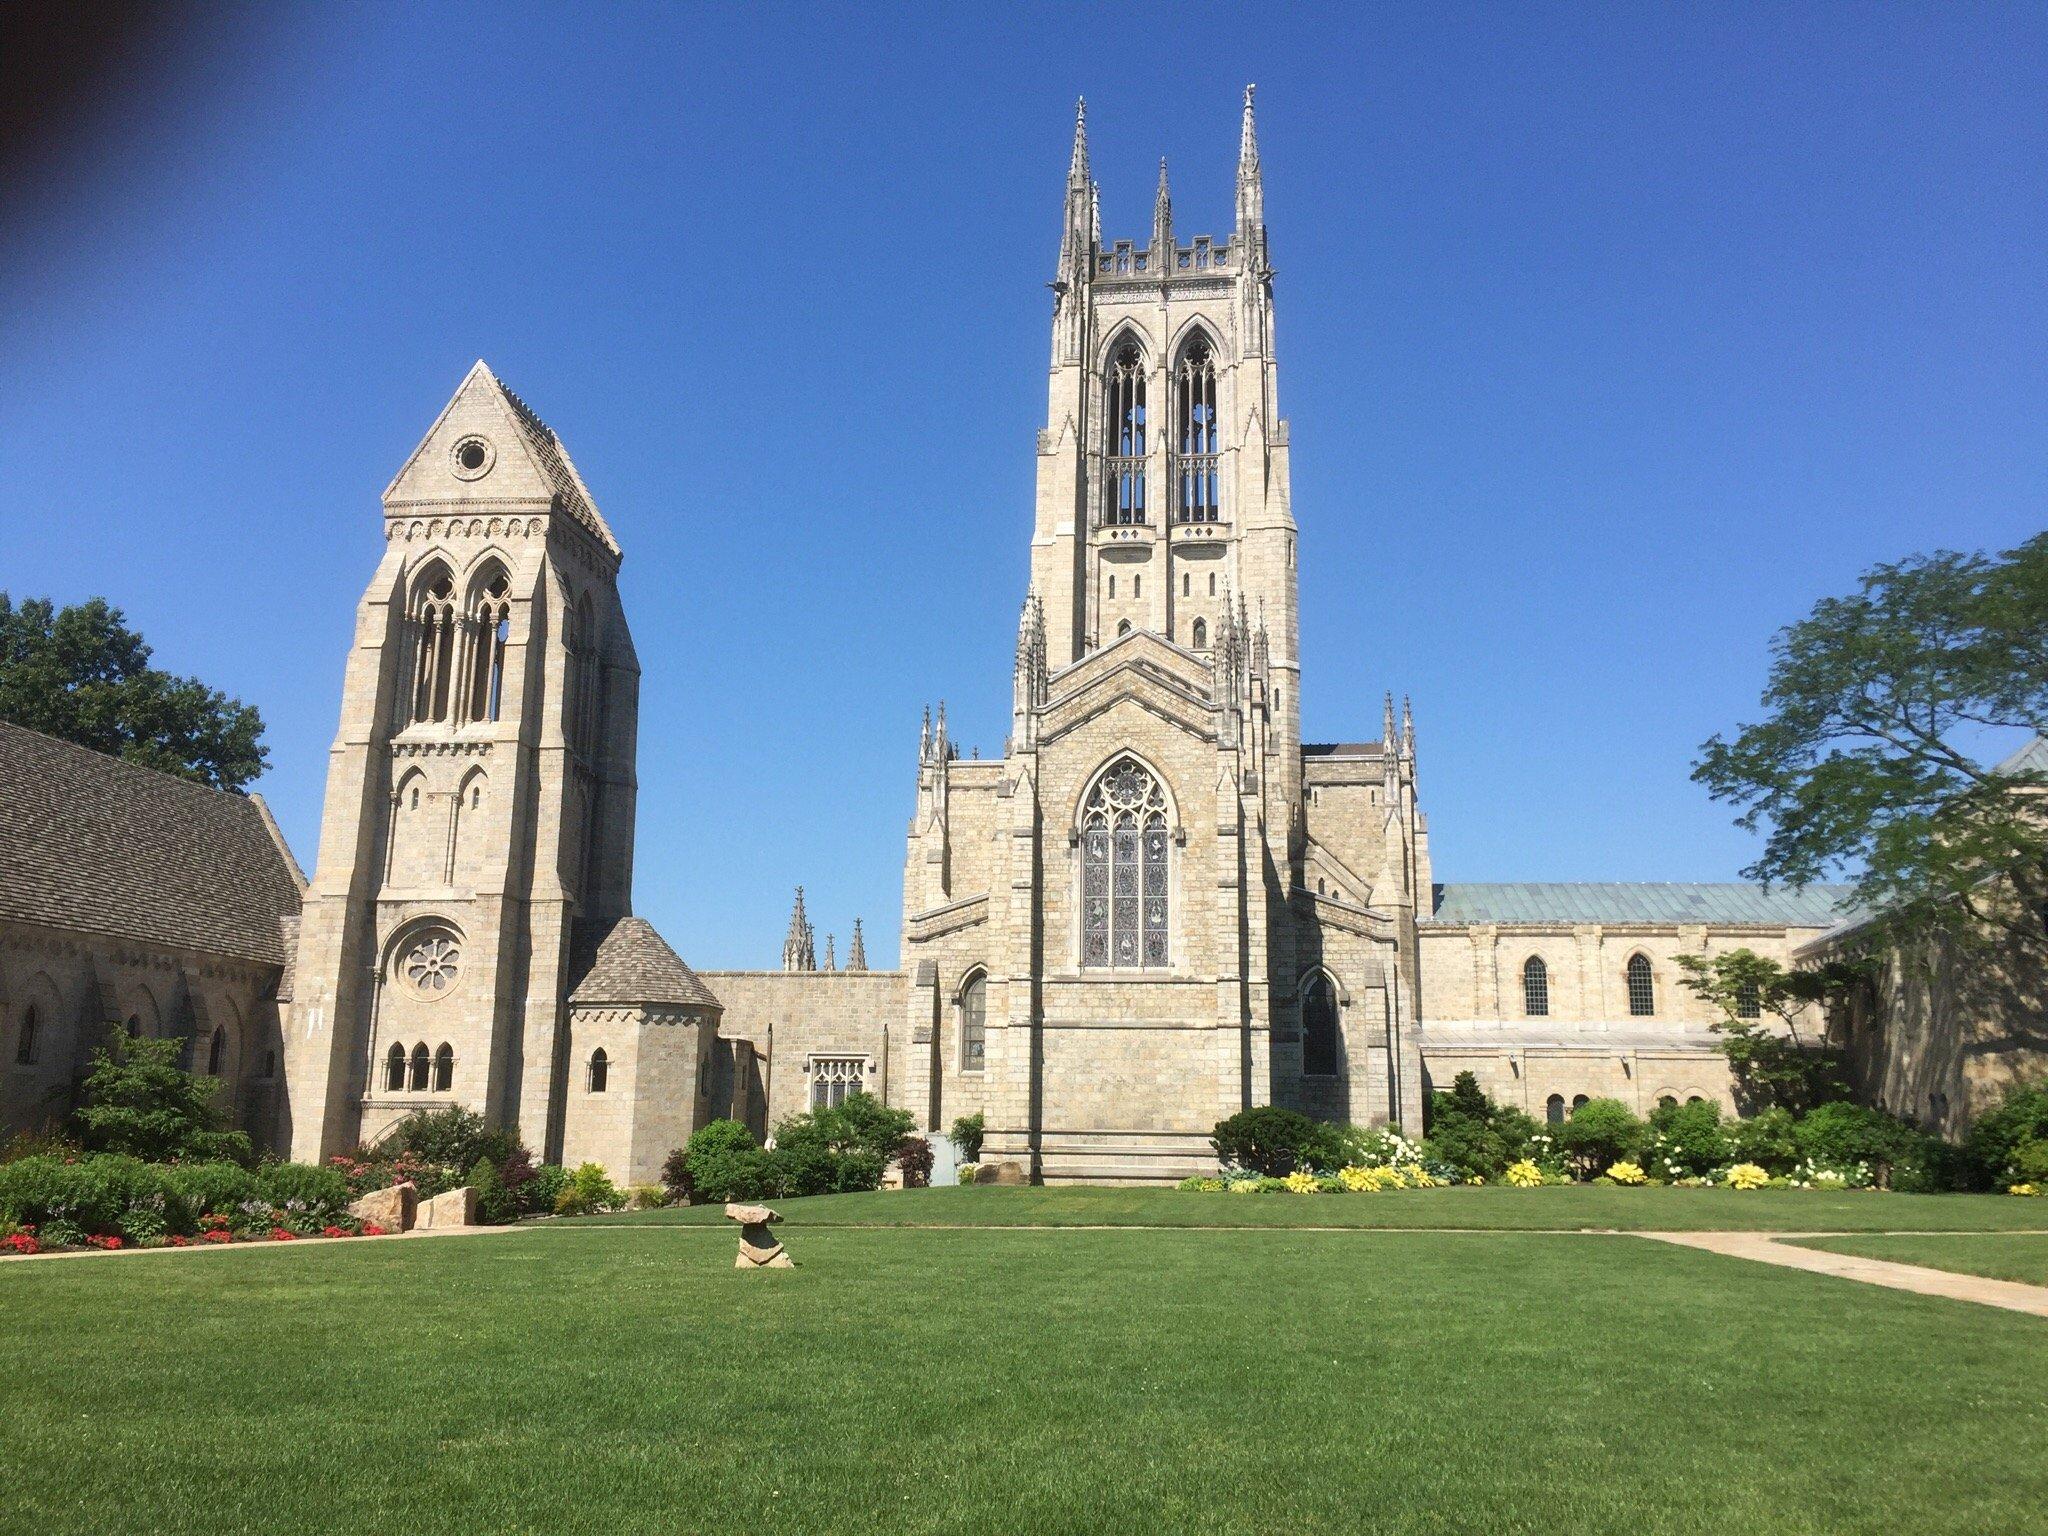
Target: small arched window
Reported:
point(134, 1026)
point(1319, 1032)
point(1535, 988)
point(1124, 421)
point(434, 631)
point(25, 1047)
point(974, 1023)
point(1749, 1002)
point(1201, 634)
point(1667, 1101)
point(269, 1065)
point(217, 1053)
point(1195, 478)
point(421, 1064)
point(1642, 987)
point(490, 631)
point(394, 1070)
point(444, 1068)
point(600, 1070)
point(1579, 1102)
point(1124, 870)
point(1553, 1109)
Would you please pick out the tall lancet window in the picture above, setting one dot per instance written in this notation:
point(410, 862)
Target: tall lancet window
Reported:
point(434, 635)
point(1123, 870)
point(490, 632)
point(1194, 469)
point(1124, 414)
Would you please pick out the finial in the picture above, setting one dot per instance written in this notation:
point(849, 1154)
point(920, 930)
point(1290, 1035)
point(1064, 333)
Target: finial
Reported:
point(1248, 135)
point(857, 952)
point(1387, 722)
point(1095, 212)
point(1077, 166)
point(831, 960)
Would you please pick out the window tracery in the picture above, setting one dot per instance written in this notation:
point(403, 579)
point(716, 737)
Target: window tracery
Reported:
point(1125, 441)
point(434, 638)
point(1124, 870)
point(1195, 468)
point(432, 961)
point(974, 1023)
point(490, 632)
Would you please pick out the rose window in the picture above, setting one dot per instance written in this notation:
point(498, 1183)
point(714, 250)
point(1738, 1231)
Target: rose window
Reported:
point(433, 963)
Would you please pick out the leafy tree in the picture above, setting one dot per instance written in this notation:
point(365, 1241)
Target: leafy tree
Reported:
point(82, 674)
point(861, 1123)
point(1860, 765)
point(1762, 1004)
point(140, 1102)
point(968, 1132)
point(1686, 1139)
point(1474, 1134)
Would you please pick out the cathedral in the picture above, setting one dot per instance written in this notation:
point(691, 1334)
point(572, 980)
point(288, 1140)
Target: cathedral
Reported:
point(1159, 906)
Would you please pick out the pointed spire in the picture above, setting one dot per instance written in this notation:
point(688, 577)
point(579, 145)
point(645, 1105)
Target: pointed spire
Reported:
point(1251, 195)
point(831, 960)
point(1095, 212)
point(857, 951)
point(1162, 214)
point(1407, 727)
point(924, 737)
point(798, 952)
point(1387, 723)
point(1077, 164)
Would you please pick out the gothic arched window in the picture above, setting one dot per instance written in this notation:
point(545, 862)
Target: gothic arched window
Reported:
point(1535, 987)
point(394, 1070)
point(1201, 635)
point(217, 1053)
point(490, 631)
point(600, 1070)
point(1123, 869)
point(25, 1048)
point(421, 1063)
point(1124, 419)
point(974, 1023)
point(434, 636)
point(1318, 1027)
point(1642, 987)
point(444, 1068)
point(1195, 479)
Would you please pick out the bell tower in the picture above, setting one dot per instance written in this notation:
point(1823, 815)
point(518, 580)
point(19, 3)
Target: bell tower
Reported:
point(477, 838)
point(1163, 499)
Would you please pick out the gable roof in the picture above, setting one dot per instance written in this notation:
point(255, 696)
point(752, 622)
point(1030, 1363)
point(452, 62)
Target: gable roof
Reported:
point(2032, 758)
point(482, 398)
point(91, 843)
point(635, 965)
point(1817, 906)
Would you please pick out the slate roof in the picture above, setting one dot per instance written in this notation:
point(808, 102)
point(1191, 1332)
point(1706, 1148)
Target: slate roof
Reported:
point(91, 843)
point(553, 458)
point(1817, 906)
point(1341, 748)
point(635, 965)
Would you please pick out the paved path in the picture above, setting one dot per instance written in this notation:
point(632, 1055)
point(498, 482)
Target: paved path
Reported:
point(1771, 1248)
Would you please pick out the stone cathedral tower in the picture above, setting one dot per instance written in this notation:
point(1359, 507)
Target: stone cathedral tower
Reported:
point(477, 839)
point(1159, 906)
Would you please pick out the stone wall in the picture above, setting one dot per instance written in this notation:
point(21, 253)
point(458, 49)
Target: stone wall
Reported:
point(791, 1017)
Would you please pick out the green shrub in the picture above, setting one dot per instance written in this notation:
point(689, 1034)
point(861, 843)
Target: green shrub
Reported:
point(647, 1197)
point(1685, 1140)
point(967, 1133)
point(858, 1171)
point(2029, 1163)
point(1469, 1132)
point(745, 1173)
point(1998, 1134)
point(587, 1190)
point(1599, 1134)
point(1841, 1135)
point(138, 1102)
point(862, 1123)
point(494, 1203)
point(1766, 1139)
point(1271, 1140)
point(541, 1191)
point(303, 1187)
point(711, 1142)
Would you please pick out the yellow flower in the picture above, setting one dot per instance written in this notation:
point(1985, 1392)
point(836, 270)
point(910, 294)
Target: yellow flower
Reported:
point(1523, 1175)
point(2021, 1189)
point(1301, 1182)
point(1627, 1173)
point(1747, 1176)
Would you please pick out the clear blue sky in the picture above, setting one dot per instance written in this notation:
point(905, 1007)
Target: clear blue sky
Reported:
point(1611, 339)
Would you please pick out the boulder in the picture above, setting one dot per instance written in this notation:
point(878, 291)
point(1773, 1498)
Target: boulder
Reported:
point(1000, 1173)
point(453, 1208)
point(394, 1209)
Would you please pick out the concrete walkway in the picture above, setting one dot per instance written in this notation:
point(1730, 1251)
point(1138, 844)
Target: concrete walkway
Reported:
point(1773, 1248)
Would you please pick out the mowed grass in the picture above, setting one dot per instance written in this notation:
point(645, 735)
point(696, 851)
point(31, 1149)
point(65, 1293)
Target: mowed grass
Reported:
point(2009, 1256)
point(1006, 1382)
point(1572, 1208)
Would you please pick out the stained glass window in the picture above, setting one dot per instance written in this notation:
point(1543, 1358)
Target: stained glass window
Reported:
point(1535, 987)
point(974, 1024)
point(1124, 883)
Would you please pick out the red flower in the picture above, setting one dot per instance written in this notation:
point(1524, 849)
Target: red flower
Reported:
point(179, 1240)
point(334, 1231)
point(22, 1242)
point(371, 1229)
point(108, 1243)
point(216, 1235)
point(282, 1234)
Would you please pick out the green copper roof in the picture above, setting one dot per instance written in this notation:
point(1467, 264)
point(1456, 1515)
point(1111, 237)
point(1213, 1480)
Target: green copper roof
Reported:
point(1818, 906)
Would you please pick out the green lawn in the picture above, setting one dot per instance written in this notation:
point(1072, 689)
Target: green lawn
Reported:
point(2008, 1256)
point(1602, 1207)
point(1005, 1382)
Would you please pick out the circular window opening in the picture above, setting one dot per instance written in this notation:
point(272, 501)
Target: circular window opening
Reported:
point(432, 962)
point(473, 458)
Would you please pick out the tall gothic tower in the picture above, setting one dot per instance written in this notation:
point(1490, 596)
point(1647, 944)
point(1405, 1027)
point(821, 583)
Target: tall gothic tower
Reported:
point(1162, 470)
point(477, 838)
